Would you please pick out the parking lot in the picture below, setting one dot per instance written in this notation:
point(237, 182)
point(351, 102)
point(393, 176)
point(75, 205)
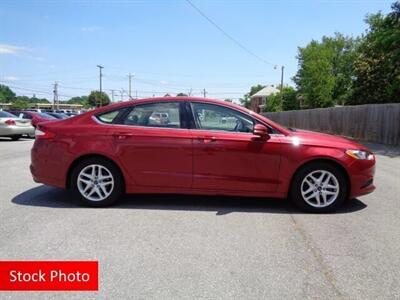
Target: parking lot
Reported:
point(163, 247)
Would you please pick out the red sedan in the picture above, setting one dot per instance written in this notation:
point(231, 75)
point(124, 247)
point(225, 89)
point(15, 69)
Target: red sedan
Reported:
point(205, 146)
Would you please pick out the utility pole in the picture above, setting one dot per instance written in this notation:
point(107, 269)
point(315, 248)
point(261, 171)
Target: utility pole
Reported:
point(282, 69)
point(100, 78)
point(130, 85)
point(204, 93)
point(112, 95)
point(55, 95)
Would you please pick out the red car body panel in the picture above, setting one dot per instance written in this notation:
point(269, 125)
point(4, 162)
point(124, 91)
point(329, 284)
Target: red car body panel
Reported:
point(192, 161)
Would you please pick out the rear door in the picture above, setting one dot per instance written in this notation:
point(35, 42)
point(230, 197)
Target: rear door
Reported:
point(154, 151)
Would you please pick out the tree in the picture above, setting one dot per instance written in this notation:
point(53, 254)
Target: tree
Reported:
point(97, 98)
point(181, 95)
point(273, 103)
point(22, 99)
point(377, 64)
point(19, 104)
point(83, 100)
point(6, 94)
point(34, 99)
point(245, 100)
point(290, 100)
point(324, 77)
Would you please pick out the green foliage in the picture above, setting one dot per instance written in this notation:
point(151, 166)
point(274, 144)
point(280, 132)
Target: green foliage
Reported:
point(245, 100)
point(97, 99)
point(377, 64)
point(290, 99)
point(6, 94)
point(83, 100)
point(274, 103)
point(37, 100)
point(22, 98)
point(324, 77)
point(285, 100)
point(20, 104)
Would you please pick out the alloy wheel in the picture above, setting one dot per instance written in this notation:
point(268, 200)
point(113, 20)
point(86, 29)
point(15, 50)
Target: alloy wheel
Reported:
point(95, 182)
point(320, 188)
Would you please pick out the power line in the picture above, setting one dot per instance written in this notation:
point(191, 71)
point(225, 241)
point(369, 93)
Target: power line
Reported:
point(239, 44)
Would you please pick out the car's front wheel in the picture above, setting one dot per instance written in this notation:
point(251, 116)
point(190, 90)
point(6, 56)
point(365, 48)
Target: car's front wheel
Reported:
point(319, 187)
point(97, 182)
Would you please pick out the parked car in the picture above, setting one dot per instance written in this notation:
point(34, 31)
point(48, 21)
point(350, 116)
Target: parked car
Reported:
point(60, 116)
point(118, 149)
point(13, 127)
point(71, 114)
point(159, 118)
point(34, 117)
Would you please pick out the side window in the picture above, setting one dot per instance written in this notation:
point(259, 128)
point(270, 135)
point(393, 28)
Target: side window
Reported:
point(109, 116)
point(163, 114)
point(215, 117)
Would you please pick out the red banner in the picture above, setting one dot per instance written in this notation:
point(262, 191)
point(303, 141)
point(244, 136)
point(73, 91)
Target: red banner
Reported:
point(49, 276)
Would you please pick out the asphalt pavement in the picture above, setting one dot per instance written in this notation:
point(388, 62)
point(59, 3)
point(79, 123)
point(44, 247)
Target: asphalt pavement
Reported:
point(192, 247)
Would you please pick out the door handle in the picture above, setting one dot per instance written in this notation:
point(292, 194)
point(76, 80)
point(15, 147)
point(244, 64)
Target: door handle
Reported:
point(122, 135)
point(207, 139)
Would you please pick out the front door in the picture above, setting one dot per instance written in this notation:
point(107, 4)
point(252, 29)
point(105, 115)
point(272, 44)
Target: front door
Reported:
point(228, 156)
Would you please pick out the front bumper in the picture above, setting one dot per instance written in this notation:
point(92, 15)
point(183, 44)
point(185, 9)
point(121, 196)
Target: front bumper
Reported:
point(362, 178)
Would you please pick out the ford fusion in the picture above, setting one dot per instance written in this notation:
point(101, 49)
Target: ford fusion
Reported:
point(185, 145)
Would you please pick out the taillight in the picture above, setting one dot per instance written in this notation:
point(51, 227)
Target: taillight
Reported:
point(43, 134)
point(10, 122)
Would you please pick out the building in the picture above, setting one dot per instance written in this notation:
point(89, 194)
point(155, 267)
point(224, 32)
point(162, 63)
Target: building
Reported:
point(259, 99)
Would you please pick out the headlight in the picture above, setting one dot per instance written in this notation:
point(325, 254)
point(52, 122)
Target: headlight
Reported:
point(359, 154)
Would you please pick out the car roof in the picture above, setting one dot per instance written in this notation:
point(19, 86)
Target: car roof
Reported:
point(169, 99)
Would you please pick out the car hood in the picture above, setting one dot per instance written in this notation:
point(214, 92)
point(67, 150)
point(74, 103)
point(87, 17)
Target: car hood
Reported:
point(306, 137)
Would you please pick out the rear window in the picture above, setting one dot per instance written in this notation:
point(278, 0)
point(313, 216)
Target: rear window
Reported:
point(4, 114)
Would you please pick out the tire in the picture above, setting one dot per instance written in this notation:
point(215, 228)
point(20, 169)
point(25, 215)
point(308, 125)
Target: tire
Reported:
point(15, 137)
point(325, 194)
point(102, 189)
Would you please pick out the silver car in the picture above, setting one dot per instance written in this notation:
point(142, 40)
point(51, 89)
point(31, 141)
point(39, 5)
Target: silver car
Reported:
point(14, 127)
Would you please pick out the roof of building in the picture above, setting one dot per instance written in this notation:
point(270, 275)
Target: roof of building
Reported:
point(267, 91)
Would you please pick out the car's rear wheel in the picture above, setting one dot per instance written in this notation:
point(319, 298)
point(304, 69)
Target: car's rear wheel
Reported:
point(16, 137)
point(97, 182)
point(319, 187)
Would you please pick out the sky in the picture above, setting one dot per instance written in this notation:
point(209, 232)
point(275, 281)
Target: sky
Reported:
point(167, 45)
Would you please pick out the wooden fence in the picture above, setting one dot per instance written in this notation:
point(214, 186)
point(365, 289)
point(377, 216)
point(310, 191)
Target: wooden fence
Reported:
point(379, 123)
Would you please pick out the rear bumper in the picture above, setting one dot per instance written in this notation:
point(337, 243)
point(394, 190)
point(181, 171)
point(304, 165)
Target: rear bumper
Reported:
point(15, 130)
point(46, 166)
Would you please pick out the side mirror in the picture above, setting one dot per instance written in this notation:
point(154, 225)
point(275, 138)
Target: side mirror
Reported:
point(261, 131)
